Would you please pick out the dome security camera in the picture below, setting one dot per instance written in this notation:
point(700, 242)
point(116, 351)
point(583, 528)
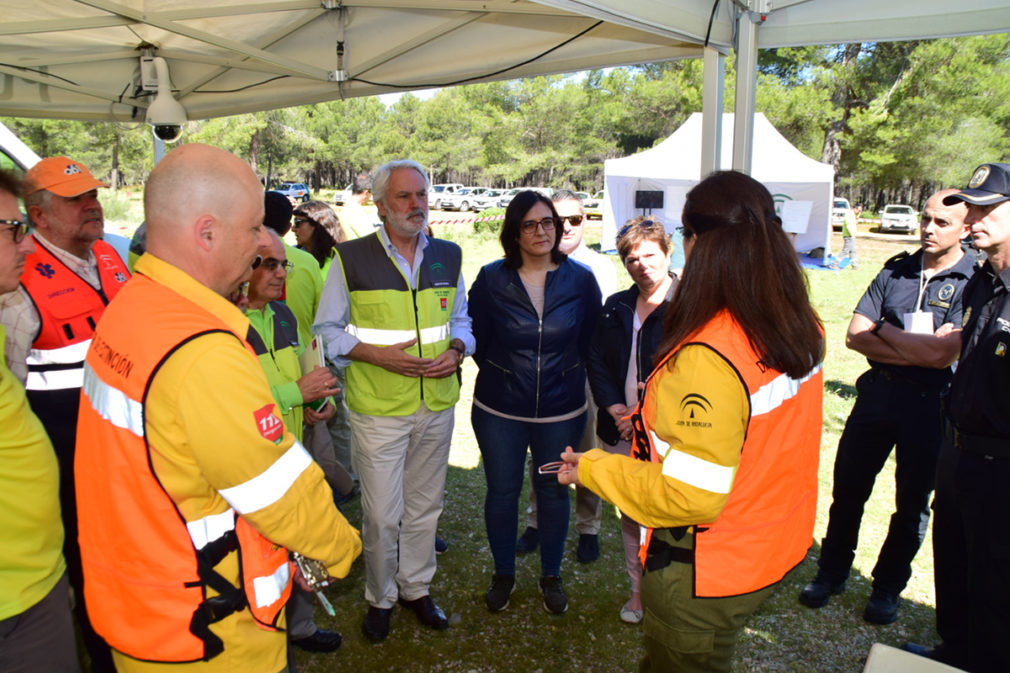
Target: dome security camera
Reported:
point(165, 114)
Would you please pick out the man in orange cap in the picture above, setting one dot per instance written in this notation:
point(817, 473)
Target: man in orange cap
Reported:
point(65, 286)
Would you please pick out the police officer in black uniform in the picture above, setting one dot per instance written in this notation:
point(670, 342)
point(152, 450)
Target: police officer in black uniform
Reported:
point(898, 405)
point(971, 544)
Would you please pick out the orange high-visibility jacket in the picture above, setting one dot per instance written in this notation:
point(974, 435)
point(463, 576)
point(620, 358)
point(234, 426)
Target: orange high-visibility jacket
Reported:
point(69, 309)
point(766, 526)
point(148, 572)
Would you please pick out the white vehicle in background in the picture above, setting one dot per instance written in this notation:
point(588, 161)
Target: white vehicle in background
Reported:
point(896, 217)
point(462, 200)
point(838, 210)
point(438, 192)
point(488, 199)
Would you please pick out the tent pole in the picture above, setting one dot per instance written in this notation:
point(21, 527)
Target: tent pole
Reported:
point(746, 86)
point(711, 110)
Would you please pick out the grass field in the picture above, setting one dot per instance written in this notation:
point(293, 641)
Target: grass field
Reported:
point(782, 636)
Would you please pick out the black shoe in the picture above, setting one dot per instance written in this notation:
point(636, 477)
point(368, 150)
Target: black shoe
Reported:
point(882, 608)
point(497, 597)
point(320, 641)
point(589, 548)
point(555, 600)
point(427, 612)
point(528, 541)
point(817, 593)
point(441, 546)
point(376, 624)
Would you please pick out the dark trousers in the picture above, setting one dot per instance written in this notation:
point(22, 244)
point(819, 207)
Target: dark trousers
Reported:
point(503, 443)
point(890, 412)
point(58, 413)
point(972, 560)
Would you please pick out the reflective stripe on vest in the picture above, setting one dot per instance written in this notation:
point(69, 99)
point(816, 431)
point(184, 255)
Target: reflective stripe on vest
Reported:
point(384, 311)
point(150, 582)
point(766, 526)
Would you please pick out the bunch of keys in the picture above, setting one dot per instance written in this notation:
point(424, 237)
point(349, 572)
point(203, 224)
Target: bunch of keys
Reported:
point(316, 577)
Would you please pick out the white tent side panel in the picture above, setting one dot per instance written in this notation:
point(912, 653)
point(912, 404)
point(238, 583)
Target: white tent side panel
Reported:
point(674, 167)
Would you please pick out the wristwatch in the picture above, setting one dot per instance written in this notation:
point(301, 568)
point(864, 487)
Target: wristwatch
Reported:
point(461, 349)
point(877, 325)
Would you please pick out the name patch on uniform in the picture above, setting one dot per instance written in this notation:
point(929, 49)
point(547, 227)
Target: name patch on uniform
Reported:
point(937, 303)
point(269, 425)
point(696, 408)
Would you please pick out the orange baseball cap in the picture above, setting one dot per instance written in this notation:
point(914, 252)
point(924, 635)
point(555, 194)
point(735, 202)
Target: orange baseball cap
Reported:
point(61, 176)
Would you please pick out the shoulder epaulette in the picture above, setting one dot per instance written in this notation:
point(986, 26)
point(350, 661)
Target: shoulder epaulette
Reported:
point(904, 254)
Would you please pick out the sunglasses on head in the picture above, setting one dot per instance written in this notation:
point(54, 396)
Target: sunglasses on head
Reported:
point(644, 224)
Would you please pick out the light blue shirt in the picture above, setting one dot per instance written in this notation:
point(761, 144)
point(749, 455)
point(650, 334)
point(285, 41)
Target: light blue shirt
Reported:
point(335, 304)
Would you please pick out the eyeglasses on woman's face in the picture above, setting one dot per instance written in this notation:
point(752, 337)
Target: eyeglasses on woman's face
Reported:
point(529, 227)
point(685, 233)
point(299, 221)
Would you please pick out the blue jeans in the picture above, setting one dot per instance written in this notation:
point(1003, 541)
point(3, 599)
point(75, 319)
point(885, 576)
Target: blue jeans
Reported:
point(503, 443)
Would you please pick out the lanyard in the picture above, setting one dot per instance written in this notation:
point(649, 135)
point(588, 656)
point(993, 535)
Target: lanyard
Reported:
point(925, 275)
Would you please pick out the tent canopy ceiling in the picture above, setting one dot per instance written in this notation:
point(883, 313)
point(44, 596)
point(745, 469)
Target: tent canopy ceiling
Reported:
point(79, 59)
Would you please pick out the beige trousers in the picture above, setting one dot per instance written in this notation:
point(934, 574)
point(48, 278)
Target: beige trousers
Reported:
point(401, 463)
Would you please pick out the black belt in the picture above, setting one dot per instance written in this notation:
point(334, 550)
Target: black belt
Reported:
point(992, 447)
point(662, 554)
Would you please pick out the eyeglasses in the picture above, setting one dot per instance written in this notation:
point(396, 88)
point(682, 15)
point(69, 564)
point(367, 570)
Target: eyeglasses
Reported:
point(685, 233)
point(644, 224)
point(271, 265)
point(299, 221)
point(574, 220)
point(18, 228)
point(530, 226)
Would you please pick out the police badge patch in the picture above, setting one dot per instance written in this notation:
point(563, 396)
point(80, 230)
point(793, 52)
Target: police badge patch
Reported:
point(946, 292)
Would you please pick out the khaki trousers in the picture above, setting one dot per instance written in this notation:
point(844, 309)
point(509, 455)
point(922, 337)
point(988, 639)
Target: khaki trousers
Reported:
point(401, 463)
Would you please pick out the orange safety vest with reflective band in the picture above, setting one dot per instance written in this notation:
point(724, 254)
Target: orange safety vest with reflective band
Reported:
point(147, 570)
point(69, 309)
point(767, 524)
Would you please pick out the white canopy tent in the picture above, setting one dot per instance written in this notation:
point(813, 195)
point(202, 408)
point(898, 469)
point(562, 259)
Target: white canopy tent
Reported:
point(673, 167)
point(80, 59)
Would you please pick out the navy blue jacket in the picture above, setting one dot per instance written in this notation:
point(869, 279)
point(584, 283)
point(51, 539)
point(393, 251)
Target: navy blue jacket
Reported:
point(528, 367)
point(611, 350)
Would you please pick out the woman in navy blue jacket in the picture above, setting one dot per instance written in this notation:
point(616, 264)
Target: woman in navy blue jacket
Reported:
point(533, 315)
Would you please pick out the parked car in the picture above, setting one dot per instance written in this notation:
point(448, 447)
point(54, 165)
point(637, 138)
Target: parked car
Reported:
point(583, 197)
point(594, 206)
point(437, 192)
point(342, 196)
point(838, 210)
point(295, 191)
point(461, 200)
point(899, 218)
point(488, 199)
point(506, 197)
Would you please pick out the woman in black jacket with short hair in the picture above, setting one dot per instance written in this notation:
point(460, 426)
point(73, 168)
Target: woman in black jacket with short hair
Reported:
point(622, 355)
point(533, 314)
